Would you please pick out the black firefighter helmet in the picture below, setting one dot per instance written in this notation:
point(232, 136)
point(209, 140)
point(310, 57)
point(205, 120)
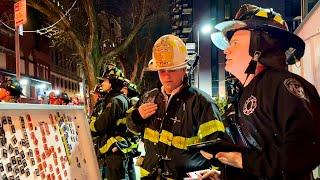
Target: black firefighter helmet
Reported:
point(269, 33)
point(132, 89)
point(114, 75)
point(13, 86)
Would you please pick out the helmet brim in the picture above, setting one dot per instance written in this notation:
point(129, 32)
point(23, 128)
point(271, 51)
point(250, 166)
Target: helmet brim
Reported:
point(219, 36)
point(153, 67)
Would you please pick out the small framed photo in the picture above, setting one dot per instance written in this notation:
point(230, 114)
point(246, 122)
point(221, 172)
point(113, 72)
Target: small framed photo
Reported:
point(9, 167)
point(9, 119)
point(13, 129)
point(13, 160)
point(4, 153)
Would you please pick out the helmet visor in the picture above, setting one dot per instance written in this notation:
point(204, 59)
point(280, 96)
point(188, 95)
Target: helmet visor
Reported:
point(219, 37)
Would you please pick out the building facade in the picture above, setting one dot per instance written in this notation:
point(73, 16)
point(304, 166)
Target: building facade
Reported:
point(65, 74)
point(34, 57)
point(182, 19)
point(41, 70)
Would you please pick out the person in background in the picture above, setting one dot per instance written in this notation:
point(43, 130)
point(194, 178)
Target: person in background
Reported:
point(10, 91)
point(63, 99)
point(114, 146)
point(276, 117)
point(98, 108)
point(174, 116)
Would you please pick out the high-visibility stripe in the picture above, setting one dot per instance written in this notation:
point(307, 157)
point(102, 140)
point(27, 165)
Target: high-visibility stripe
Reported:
point(279, 19)
point(181, 142)
point(166, 137)
point(129, 149)
point(215, 167)
point(210, 127)
point(143, 172)
point(121, 121)
point(130, 110)
point(93, 120)
point(109, 143)
point(151, 135)
point(262, 13)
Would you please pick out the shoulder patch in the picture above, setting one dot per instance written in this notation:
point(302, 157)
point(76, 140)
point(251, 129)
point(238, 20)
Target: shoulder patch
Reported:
point(295, 88)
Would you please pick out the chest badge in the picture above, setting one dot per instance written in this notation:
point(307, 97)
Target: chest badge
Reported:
point(250, 105)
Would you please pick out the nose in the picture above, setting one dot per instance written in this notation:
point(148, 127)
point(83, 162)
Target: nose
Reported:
point(226, 51)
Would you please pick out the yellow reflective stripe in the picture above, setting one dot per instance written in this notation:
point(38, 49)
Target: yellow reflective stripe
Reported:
point(262, 13)
point(109, 143)
point(193, 140)
point(121, 121)
point(126, 150)
point(210, 127)
point(134, 145)
point(179, 142)
point(129, 149)
point(166, 137)
point(279, 19)
point(106, 146)
point(214, 167)
point(130, 110)
point(151, 135)
point(143, 172)
point(92, 128)
point(182, 142)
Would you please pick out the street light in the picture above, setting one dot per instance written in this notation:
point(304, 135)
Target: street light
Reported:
point(205, 29)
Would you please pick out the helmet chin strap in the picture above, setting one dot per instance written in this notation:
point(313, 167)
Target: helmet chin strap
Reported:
point(251, 69)
point(195, 63)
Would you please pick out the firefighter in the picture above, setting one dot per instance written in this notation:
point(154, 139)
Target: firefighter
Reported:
point(53, 98)
point(131, 91)
point(98, 108)
point(275, 116)
point(114, 146)
point(174, 116)
point(64, 99)
point(10, 91)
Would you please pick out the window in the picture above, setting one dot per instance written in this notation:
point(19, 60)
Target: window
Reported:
point(3, 61)
point(22, 66)
point(32, 92)
point(61, 83)
point(46, 73)
point(31, 69)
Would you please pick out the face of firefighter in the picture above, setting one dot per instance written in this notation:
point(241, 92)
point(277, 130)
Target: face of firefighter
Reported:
point(106, 85)
point(237, 54)
point(125, 90)
point(171, 79)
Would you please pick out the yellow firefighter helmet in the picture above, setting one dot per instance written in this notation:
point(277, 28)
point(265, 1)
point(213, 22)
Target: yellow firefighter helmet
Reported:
point(168, 53)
